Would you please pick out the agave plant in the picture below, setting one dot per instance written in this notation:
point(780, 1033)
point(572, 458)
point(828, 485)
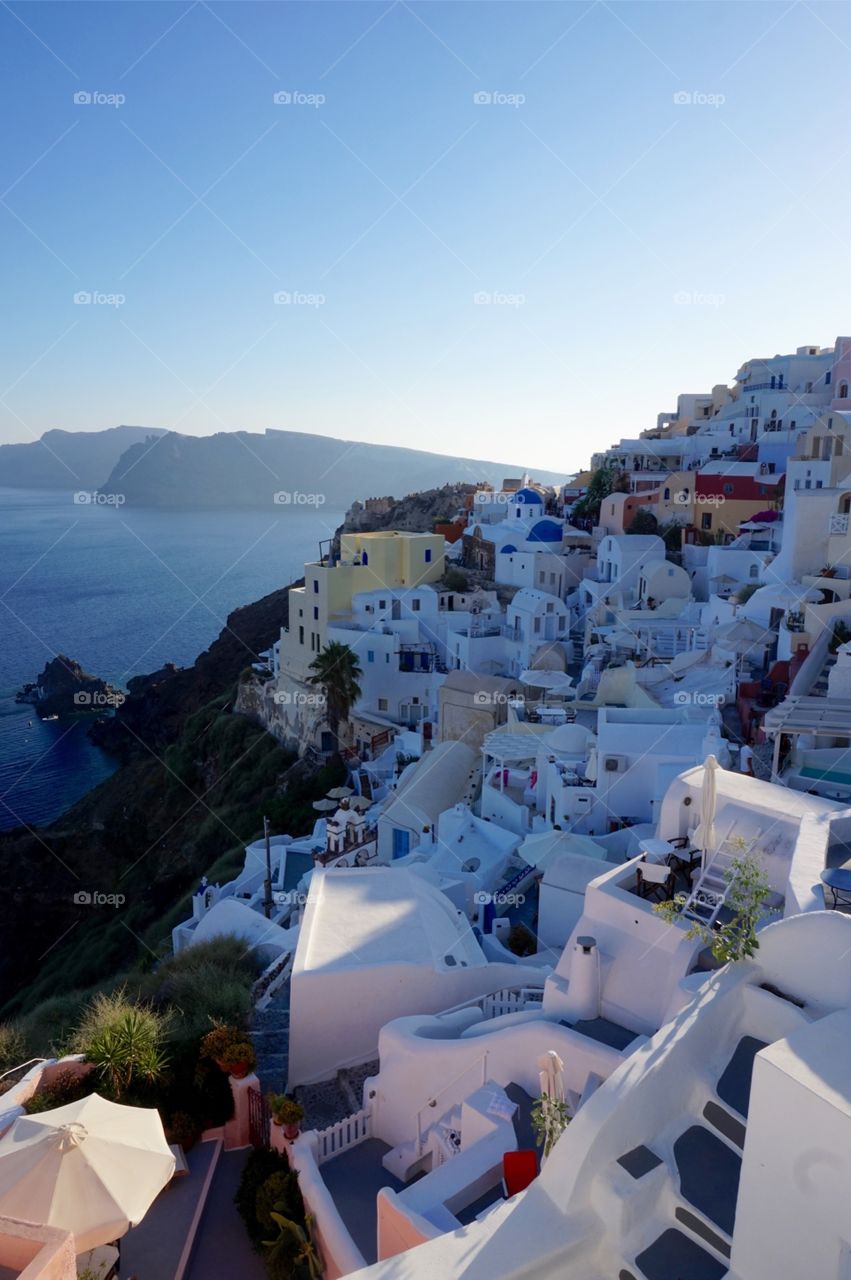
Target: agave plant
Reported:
point(293, 1247)
point(128, 1051)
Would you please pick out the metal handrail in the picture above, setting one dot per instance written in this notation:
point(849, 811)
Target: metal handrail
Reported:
point(31, 1062)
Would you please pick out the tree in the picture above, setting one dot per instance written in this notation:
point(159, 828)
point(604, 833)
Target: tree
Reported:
point(643, 522)
point(550, 1117)
point(604, 481)
point(336, 671)
point(747, 891)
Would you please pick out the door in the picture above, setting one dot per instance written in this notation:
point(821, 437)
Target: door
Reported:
point(401, 842)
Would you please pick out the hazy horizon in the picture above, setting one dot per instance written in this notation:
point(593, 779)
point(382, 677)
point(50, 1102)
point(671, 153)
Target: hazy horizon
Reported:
point(490, 230)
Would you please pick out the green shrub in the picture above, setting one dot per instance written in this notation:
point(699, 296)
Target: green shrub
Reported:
point(259, 1167)
point(182, 1129)
point(13, 1046)
point(125, 1041)
point(279, 1189)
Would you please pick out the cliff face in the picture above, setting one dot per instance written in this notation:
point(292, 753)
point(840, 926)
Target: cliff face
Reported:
point(69, 460)
point(193, 787)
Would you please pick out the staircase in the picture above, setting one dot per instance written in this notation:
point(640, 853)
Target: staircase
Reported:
point(270, 1035)
point(819, 689)
point(712, 888)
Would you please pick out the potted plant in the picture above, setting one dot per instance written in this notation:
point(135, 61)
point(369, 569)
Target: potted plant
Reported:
point(217, 1043)
point(238, 1059)
point(286, 1112)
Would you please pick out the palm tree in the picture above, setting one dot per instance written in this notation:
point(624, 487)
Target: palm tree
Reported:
point(336, 671)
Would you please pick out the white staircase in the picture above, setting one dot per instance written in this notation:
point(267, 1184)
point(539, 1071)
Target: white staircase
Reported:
point(712, 887)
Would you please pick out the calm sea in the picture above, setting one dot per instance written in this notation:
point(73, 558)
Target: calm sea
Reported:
point(123, 591)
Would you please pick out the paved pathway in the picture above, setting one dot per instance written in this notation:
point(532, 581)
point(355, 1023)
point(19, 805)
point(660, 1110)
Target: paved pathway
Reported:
point(270, 1033)
point(222, 1248)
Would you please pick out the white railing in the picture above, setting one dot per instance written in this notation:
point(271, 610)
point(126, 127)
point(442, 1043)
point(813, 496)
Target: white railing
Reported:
point(341, 1136)
point(506, 1000)
point(273, 977)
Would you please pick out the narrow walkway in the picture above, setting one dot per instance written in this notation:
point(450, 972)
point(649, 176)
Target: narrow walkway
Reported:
point(222, 1248)
point(152, 1250)
point(354, 1179)
point(270, 1034)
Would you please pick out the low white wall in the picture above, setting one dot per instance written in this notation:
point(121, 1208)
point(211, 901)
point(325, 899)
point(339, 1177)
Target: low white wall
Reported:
point(339, 1251)
point(417, 1065)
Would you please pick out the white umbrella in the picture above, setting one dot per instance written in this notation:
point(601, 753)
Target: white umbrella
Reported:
point(551, 1075)
point(704, 836)
point(92, 1167)
point(325, 806)
point(743, 632)
point(360, 802)
point(546, 679)
point(340, 793)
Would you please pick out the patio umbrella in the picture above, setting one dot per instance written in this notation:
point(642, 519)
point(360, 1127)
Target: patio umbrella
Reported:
point(546, 679)
point(360, 803)
point(704, 836)
point(92, 1167)
point(324, 806)
point(340, 793)
point(551, 1075)
point(744, 633)
point(591, 765)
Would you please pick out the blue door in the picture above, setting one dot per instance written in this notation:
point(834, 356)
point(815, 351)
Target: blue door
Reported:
point(401, 842)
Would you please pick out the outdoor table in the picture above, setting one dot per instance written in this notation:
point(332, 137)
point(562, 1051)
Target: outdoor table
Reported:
point(838, 881)
point(656, 850)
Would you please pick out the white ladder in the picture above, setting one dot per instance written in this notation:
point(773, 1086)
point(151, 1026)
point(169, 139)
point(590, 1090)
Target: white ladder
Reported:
point(711, 890)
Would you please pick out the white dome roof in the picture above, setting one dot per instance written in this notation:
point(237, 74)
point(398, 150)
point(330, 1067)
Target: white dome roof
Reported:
point(569, 738)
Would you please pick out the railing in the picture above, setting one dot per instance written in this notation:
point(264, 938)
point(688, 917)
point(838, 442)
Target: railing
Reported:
point(30, 1062)
point(837, 524)
point(506, 1000)
point(272, 979)
point(341, 1136)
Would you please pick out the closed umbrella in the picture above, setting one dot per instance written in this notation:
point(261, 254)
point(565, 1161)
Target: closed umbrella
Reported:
point(92, 1167)
point(704, 836)
point(591, 765)
point(551, 1075)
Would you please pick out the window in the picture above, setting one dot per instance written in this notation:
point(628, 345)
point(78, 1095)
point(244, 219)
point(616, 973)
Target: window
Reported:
point(415, 605)
point(827, 379)
point(843, 391)
point(819, 484)
point(370, 655)
point(753, 571)
point(315, 614)
point(808, 388)
point(316, 586)
point(364, 557)
point(706, 520)
point(382, 704)
point(428, 555)
point(382, 604)
point(667, 494)
point(728, 488)
point(301, 635)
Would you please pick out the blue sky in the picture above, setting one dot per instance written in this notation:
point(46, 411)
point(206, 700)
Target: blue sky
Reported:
point(524, 279)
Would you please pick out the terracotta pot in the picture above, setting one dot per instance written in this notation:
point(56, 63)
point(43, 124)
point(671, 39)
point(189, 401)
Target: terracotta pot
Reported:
point(240, 1071)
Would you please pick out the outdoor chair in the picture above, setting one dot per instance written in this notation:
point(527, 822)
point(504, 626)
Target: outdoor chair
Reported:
point(655, 880)
point(519, 1168)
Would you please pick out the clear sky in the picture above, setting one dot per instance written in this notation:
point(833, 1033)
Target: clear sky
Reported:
point(523, 278)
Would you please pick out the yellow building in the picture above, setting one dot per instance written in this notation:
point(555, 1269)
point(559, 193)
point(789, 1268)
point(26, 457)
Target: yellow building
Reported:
point(368, 562)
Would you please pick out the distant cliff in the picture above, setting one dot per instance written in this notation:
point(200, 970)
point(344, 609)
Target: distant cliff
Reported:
point(284, 468)
point(71, 460)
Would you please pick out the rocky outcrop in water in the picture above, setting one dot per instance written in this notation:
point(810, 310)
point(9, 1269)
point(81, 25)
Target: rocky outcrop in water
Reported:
point(64, 688)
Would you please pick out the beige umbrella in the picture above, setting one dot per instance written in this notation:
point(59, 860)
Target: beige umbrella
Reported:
point(92, 1167)
point(325, 806)
point(340, 793)
point(360, 802)
point(704, 836)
